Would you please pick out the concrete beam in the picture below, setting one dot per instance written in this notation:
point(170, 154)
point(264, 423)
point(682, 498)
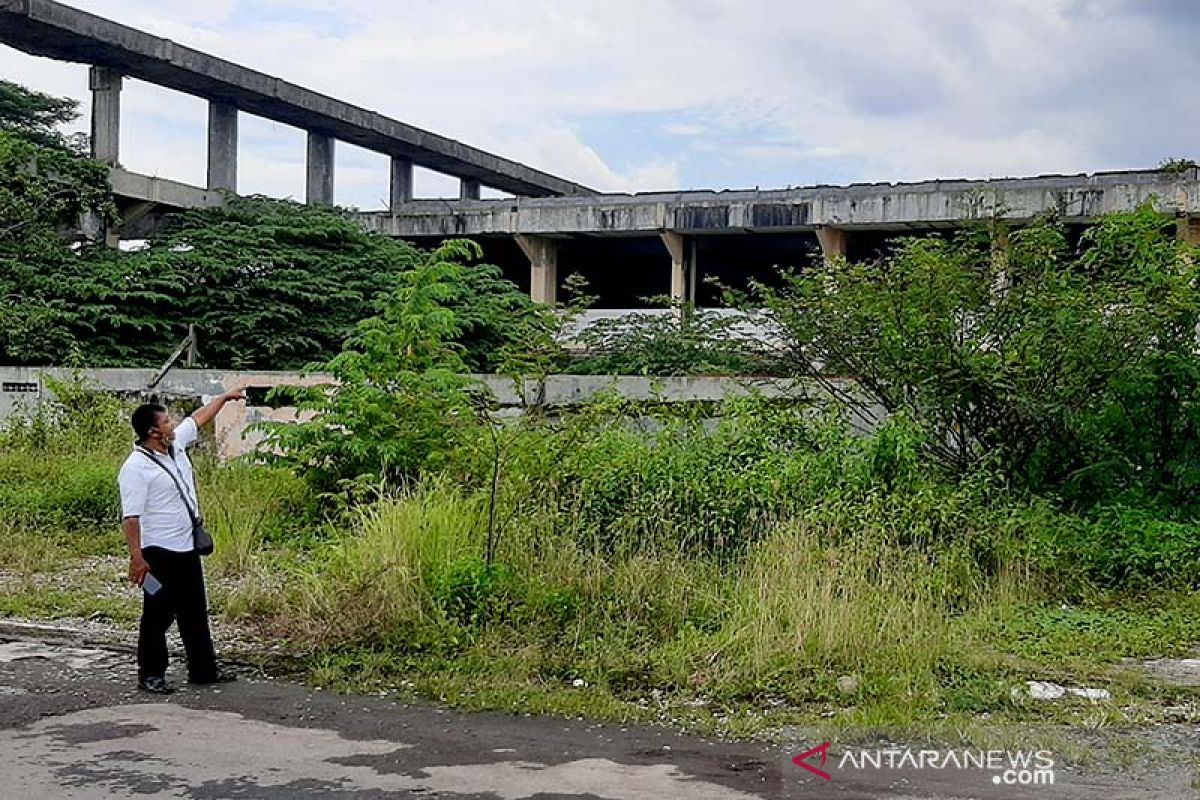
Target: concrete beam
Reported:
point(55, 30)
point(468, 189)
point(105, 84)
point(882, 207)
point(401, 189)
point(172, 195)
point(543, 263)
point(222, 146)
point(318, 185)
point(833, 241)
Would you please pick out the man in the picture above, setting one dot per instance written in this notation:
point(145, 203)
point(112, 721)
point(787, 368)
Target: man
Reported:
point(158, 501)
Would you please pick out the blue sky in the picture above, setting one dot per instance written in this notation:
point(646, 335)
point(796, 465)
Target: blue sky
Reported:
point(635, 95)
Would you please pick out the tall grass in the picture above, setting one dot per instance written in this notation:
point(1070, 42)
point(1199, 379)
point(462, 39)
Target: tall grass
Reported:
point(756, 560)
point(376, 579)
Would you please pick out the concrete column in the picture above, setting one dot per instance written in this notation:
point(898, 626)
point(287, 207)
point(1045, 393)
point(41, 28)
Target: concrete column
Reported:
point(105, 84)
point(402, 182)
point(468, 189)
point(1188, 230)
point(833, 241)
point(222, 146)
point(679, 271)
point(543, 261)
point(318, 187)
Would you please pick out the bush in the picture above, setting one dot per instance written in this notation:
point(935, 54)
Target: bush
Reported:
point(59, 459)
point(1075, 374)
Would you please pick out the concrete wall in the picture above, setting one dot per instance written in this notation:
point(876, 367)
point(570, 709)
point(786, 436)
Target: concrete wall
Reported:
point(27, 385)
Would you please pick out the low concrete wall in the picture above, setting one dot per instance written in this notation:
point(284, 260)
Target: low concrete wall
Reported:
point(28, 385)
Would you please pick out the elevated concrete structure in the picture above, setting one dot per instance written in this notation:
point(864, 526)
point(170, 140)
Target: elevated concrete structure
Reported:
point(832, 217)
point(827, 210)
point(553, 227)
point(47, 28)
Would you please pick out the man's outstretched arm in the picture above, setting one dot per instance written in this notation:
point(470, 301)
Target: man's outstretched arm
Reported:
point(205, 415)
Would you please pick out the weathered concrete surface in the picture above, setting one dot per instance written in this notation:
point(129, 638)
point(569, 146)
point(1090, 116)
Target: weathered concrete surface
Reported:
point(47, 28)
point(830, 210)
point(171, 194)
point(887, 207)
point(70, 726)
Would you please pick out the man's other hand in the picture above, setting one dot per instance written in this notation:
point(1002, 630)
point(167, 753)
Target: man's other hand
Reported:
point(138, 569)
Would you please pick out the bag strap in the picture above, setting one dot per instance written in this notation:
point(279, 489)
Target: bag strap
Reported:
point(178, 486)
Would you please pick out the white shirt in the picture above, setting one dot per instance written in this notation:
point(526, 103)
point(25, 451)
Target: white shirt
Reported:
point(149, 493)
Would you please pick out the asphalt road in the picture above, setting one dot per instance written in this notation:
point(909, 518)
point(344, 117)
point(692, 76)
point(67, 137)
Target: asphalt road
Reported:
point(72, 726)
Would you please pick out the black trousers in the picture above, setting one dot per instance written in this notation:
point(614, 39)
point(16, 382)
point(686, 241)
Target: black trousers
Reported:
point(181, 599)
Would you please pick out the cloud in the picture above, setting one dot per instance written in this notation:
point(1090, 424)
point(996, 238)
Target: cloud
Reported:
point(793, 92)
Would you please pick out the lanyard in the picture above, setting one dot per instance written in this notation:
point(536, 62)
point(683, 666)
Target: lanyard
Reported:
point(176, 475)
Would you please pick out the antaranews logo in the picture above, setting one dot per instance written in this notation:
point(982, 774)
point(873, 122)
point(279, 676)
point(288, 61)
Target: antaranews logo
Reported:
point(1007, 767)
point(801, 760)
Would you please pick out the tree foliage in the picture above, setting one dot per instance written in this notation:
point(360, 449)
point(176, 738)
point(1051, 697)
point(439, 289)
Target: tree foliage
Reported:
point(44, 282)
point(1071, 371)
point(675, 342)
point(267, 284)
point(400, 398)
point(38, 117)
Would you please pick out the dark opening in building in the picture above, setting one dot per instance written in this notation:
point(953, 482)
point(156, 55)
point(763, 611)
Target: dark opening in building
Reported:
point(734, 260)
point(621, 272)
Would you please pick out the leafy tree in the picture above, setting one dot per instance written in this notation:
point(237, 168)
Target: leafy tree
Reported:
point(400, 401)
point(1075, 373)
point(685, 342)
point(44, 190)
point(268, 284)
point(37, 117)
point(275, 284)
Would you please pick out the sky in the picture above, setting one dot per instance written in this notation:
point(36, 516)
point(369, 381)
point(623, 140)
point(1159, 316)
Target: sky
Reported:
point(644, 95)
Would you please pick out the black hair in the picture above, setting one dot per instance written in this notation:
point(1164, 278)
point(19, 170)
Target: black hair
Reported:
point(144, 418)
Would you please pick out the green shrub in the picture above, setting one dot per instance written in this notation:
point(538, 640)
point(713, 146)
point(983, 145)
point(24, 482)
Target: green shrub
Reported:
point(1076, 374)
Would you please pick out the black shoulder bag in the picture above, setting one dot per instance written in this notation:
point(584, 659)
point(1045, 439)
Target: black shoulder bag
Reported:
point(202, 540)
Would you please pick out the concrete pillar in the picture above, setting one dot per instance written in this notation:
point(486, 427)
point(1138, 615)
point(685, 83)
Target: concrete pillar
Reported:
point(402, 181)
point(468, 189)
point(222, 146)
point(1188, 230)
point(833, 241)
point(105, 84)
point(679, 268)
point(543, 261)
point(318, 186)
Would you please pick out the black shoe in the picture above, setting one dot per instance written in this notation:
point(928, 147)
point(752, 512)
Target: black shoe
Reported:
point(155, 685)
point(220, 676)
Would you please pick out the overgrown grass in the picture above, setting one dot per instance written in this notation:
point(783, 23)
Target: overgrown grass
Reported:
point(768, 569)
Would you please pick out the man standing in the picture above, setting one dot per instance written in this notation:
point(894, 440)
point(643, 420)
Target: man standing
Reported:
point(158, 504)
